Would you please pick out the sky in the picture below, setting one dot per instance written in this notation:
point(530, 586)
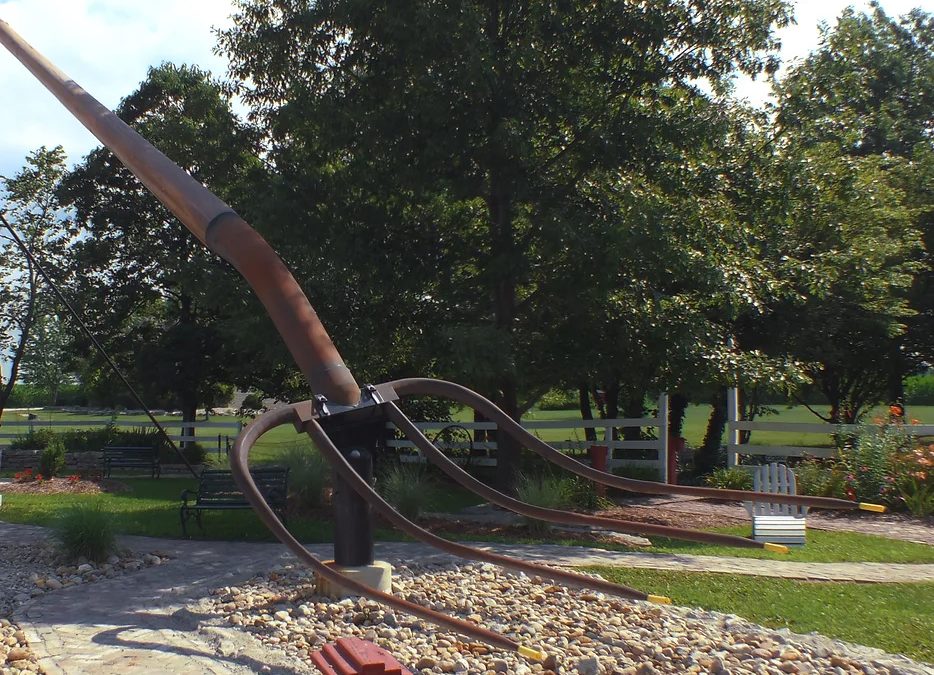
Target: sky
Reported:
point(107, 46)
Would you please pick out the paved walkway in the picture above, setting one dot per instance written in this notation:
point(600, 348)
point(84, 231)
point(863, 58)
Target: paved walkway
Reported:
point(142, 622)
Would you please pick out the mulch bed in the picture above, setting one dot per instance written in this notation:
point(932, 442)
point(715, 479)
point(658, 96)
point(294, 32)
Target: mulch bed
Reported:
point(50, 486)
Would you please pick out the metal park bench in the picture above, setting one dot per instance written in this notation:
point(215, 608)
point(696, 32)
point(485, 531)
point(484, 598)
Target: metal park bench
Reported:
point(217, 490)
point(777, 523)
point(131, 457)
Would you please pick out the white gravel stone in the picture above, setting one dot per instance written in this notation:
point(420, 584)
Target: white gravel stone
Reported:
point(589, 633)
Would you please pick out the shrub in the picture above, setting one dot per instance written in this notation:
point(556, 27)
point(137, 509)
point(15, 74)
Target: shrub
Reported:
point(869, 460)
point(919, 389)
point(52, 459)
point(729, 479)
point(309, 474)
point(409, 488)
point(559, 399)
point(820, 478)
point(195, 453)
point(90, 440)
point(552, 492)
point(34, 439)
point(914, 480)
point(86, 531)
point(584, 495)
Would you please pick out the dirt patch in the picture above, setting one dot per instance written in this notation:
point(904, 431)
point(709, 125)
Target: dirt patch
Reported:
point(670, 518)
point(51, 486)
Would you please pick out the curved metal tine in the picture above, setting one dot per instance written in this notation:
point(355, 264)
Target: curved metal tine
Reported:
point(240, 468)
point(552, 515)
point(471, 399)
point(362, 488)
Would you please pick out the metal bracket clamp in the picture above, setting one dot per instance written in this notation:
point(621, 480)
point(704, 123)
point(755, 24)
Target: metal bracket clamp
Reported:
point(368, 409)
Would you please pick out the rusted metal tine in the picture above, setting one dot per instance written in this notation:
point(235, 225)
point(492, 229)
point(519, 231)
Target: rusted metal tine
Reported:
point(239, 464)
point(419, 386)
point(438, 458)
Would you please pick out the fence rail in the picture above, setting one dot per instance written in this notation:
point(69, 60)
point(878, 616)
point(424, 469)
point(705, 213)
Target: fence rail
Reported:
point(658, 445)
point(214, 430)
point(736, 449)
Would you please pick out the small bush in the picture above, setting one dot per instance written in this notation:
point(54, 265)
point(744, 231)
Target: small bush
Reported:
point(551, 492)
point(86, 531)
point(52, 459)
point(919, 390)
point(583, 495)
point(409, 488)
point(90, 440)
point(309, 475)
point(34, 439)
point(195, 453)
point(559, 399)
point(820, 478)
point(729, 479)
point(869, 461)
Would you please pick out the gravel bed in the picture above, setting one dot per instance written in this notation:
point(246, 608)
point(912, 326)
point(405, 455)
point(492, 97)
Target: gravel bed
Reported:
point(582, 632)
point(33, 568)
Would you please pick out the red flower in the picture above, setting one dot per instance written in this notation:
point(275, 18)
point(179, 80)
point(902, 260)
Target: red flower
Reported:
point(851, 494)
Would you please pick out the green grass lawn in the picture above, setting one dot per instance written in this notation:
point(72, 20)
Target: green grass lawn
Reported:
point(898, 618)
point(151, 508)
point(822, 547)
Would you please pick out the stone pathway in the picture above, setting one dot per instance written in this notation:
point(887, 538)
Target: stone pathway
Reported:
point(140, 623)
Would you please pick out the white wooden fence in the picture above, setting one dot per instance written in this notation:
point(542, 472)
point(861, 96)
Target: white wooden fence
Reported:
point(575, 438)
point(735, 426)
point(206, 433)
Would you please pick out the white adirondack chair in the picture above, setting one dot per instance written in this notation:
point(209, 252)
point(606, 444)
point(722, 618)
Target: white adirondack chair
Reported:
point(777, 523)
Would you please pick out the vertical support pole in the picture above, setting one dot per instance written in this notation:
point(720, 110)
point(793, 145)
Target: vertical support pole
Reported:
point(663, 445)
point(353, 522)
point(732, 433)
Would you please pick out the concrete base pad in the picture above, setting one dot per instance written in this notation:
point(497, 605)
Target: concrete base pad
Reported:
point(377, 576)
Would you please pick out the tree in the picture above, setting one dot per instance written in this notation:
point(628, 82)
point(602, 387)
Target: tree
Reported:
point(158, 300)
point(867, 93)
point(456, 154)
point(47, 359)
point(31, 209)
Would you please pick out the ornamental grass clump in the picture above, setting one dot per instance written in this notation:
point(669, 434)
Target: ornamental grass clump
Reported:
point(309, 475)
point(86, 531)
point(409, 489)
point(729, 479)
point(548, 491)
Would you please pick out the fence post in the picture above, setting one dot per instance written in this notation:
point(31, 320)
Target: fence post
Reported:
point(732, 433)
point(663, 448)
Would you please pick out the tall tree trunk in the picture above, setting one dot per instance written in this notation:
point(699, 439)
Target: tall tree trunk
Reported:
point(677, 408)
point(25, 328)
point(705, 460)
point(189, 414)
point(633, 407)
point(583, 399)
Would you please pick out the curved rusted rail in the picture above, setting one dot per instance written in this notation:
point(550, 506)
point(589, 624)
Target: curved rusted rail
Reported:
point(239, 462)
point(494, 496)
point(422, 386)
